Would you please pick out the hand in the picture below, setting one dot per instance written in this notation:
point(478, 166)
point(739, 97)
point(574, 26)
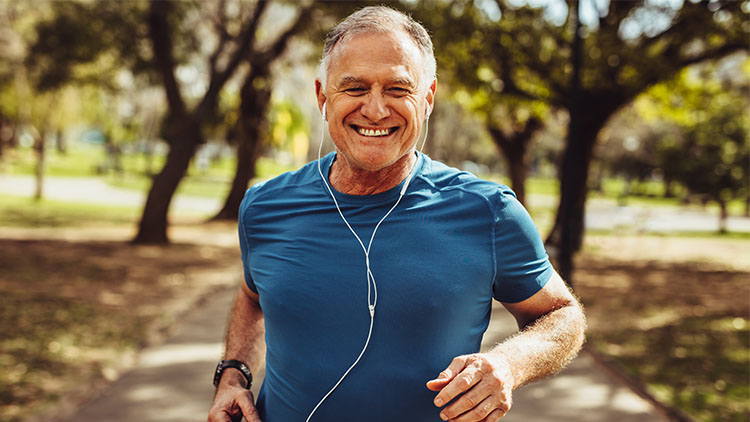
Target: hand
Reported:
point(231, 404)
point(484, 383)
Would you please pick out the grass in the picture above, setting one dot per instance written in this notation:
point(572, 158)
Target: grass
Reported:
point(79, 160)
point(85, 160)
point(25, 212)
point(191, 185)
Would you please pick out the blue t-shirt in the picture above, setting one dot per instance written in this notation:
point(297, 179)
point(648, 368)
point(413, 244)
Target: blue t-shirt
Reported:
point(453, 243)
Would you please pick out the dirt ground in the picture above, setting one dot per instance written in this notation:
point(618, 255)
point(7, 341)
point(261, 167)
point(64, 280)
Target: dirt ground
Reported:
point(674, 313)
point(668, 277)
point(76, 305)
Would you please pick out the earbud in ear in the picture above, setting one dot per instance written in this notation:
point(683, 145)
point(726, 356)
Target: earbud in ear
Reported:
point(324, 112)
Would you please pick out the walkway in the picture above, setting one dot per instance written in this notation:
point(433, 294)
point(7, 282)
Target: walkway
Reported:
point(172, 381)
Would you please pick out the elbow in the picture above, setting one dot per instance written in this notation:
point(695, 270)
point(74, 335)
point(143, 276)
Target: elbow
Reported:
point(578, 326)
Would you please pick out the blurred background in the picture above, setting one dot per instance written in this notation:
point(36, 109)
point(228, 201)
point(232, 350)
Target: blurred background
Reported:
point(129, 132)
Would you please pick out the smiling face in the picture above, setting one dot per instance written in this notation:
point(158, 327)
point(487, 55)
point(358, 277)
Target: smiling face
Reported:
point(376, 99)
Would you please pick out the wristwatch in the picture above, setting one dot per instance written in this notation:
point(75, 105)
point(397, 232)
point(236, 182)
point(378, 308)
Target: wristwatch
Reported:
point(236, 364)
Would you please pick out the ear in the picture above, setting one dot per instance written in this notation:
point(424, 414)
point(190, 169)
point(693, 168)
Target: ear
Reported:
point(430, 98)
point(321, 96)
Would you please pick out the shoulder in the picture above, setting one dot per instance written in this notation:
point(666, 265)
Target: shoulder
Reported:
point(444, 178)
point(287, 183)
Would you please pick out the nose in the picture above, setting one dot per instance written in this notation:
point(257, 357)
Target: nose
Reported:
point(375, 108)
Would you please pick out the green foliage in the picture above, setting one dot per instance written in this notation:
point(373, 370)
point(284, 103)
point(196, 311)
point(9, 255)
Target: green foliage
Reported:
point(483, 59)
point(288, 129)
point(88, 42)
point(710, 154)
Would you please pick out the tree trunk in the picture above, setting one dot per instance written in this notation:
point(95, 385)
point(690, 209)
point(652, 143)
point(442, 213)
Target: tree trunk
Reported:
point(577, 158)
point(3, 125)
point(40, 148)
point(723, 215)
point(516, 157)
point(569, 170)
point(518, 176)
point(255, 100)
point(515, 150)
point(246, 157)
point(60, 142)
point(153, 225)
point(668, 188)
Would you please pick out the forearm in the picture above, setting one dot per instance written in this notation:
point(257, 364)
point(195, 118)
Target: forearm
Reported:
point(245, 334)
point(545, 346)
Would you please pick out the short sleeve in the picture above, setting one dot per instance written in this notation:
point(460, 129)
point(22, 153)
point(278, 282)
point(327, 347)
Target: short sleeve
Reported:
point(522, 264)
point(242, 229)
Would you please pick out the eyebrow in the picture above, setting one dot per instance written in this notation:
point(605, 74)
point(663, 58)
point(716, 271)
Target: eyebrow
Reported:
point(351, 80)
point(354, 80)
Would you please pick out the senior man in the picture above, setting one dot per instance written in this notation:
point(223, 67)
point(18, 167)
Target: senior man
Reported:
point(370, 273)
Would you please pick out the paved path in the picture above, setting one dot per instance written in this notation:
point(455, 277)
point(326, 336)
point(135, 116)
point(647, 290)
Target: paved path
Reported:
point(172, 381)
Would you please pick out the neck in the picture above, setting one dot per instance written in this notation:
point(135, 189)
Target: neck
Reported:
point(355, 181)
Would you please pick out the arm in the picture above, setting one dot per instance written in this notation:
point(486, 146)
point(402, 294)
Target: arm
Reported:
point(552, 332)
point(245, 343)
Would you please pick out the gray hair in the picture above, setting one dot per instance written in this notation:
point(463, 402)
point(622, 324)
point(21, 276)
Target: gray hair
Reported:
point(380, 19)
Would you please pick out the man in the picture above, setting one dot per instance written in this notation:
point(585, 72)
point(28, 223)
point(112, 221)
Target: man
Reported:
point(373, 269)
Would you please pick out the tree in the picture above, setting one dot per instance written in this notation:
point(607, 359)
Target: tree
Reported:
point(475, 50)
point(156, 39)
point(630, 47)
point(712, 157)
point(626, 55)
point(184, 124)
point(255, 98)
point(22, 103)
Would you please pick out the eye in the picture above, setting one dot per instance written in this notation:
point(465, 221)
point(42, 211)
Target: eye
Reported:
point(398, 91)
point(356, 91)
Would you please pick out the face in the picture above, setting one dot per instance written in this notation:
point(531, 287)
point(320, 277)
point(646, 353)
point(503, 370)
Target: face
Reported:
point(376, 99)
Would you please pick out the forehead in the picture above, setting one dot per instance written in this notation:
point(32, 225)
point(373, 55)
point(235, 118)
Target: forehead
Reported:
point(371, 56)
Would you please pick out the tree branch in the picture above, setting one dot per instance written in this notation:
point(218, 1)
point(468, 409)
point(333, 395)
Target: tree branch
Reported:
point(221, 28)
point(278, 47)
point(161, 40)
point(245, 41)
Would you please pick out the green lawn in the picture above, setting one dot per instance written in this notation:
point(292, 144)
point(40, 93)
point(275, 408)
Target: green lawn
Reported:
point(26, 212)
point(90, 161)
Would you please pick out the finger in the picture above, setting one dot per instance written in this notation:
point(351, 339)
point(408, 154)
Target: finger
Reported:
point(455, 367)
point(438, 383)
point(476, 401)
point(219, 418)
point(458, 385)
point(248, 408)
point(218, 415)
point(495, 416)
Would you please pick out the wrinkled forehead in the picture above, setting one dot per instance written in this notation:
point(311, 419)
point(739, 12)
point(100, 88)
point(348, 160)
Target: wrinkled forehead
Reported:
point(365, 50)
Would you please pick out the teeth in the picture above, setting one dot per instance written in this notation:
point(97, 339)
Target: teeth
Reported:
point(373, 132)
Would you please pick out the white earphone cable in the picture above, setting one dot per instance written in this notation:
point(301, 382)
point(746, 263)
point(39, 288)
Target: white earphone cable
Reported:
point(372, 287)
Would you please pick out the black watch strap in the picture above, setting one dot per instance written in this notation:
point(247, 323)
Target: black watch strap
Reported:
point(233, 363)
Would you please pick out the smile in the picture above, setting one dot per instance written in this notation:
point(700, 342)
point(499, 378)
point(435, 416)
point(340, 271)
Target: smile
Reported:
point(374, 132)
